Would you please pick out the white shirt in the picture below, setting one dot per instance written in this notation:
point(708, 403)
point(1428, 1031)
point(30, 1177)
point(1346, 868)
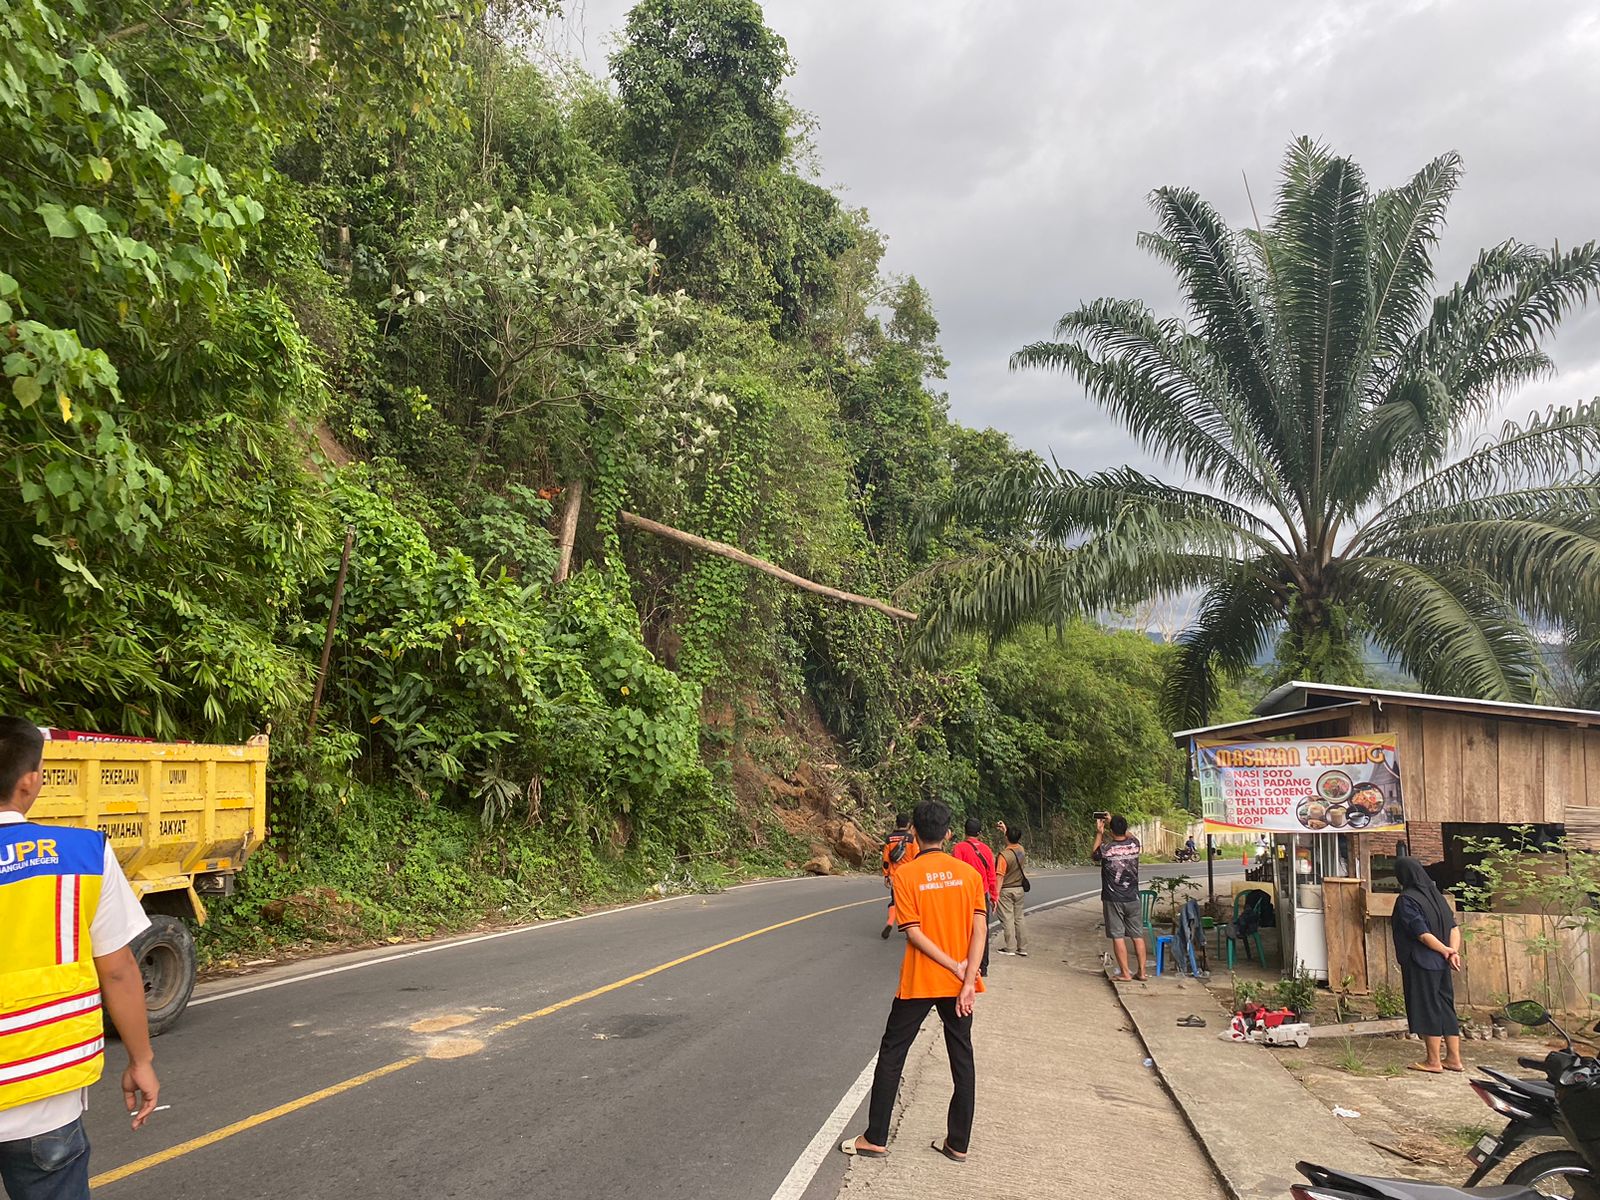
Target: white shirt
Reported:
point(117, 921)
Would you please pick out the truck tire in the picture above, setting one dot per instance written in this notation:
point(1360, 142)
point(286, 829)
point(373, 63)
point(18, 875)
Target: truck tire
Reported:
point(165, 954)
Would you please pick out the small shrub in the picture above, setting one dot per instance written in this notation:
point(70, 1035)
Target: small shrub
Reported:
point(1298, 993)
point(1246, 991)
point(1343, 1007)
point(1389, 1000)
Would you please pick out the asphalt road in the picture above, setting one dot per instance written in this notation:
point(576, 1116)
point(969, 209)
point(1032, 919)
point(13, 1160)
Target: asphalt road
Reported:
point(687, 1048)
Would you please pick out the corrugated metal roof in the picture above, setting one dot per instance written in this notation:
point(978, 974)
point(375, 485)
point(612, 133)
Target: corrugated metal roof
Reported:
point(1294, 696)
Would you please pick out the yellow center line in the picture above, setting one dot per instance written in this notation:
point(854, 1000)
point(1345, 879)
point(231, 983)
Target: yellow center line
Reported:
point(261, 1118)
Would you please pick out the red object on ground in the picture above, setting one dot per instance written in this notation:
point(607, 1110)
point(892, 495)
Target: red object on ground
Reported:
point(1260, 1017)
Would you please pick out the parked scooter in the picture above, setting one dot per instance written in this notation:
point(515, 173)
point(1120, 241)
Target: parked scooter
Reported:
point(1529, 1107)
point(1574, 1084)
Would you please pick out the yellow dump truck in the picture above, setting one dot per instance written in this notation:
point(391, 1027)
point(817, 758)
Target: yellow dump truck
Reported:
point(181, 818)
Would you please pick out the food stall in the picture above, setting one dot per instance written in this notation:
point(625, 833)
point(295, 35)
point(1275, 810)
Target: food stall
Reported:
point(1471, 769)
point(1314, 797)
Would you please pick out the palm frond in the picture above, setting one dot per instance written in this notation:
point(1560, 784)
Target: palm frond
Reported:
point(1136, 557)
point(1540, 450)
point(1451, 628)
point(1322, 291)
point(1236, 617)
point(1224, 294)
point(1547, 565)
point(1485, 334)
point(1406, 223)
point(1054, 506)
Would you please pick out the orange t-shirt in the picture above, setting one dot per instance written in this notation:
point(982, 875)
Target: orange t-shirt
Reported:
point(906, 855)
point(941, 894)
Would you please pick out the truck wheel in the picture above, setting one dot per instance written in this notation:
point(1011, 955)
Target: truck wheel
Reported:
point(165, 954)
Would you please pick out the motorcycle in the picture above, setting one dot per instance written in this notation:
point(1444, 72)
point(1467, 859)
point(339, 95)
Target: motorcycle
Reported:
point(1529, 1106)
point(1185, 854)
point(1565, 1104)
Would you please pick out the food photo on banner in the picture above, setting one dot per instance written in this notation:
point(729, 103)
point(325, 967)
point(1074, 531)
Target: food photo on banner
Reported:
point(1321, 785)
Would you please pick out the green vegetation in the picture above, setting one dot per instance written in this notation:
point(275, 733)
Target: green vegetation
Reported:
point(1298, 992)
point(1351, 1059)
point(1389, 1000)
point(273, 275)
point(1327, 403)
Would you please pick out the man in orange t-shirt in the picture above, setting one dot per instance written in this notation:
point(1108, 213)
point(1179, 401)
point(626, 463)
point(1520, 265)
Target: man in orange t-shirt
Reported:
point(939, 902)
point(900, 848)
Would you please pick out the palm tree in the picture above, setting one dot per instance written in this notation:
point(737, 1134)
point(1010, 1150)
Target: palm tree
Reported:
point(1322, 402)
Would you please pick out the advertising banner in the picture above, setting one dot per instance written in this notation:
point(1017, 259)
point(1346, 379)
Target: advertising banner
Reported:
point(1321, 785)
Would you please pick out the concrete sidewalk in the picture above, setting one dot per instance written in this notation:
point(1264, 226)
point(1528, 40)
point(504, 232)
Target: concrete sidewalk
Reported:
point(1255, 1118)
point(1066, 1107)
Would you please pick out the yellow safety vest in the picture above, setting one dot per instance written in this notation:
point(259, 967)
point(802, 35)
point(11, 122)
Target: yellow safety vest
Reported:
point(52, 1033)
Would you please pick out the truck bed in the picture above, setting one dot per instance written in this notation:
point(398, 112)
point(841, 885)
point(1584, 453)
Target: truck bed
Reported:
point(172, 812)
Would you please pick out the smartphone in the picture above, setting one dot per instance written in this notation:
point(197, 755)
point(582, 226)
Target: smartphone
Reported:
point(1102, 816)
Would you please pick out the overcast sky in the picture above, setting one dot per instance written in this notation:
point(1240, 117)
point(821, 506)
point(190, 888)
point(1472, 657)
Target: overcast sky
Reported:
point(1006, 148)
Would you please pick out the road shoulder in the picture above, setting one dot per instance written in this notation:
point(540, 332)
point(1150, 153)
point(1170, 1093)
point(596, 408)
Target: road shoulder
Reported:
point(1253, 1117)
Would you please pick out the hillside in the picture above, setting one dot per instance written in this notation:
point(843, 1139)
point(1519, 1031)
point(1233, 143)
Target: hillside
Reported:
point(393, 273)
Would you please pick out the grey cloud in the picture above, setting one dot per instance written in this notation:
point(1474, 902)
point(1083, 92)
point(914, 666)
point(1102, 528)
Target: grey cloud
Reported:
point(1006, 149)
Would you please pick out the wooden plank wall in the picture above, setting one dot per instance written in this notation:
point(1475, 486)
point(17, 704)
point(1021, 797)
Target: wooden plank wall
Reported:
point(1498, 964)
point(1457, 767)
point(1344, 903)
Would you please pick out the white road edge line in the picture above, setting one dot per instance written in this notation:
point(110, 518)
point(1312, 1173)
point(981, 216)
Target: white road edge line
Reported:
point(805, 1167)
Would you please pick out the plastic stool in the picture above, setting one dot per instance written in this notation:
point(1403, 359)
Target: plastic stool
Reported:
point(1162, 943)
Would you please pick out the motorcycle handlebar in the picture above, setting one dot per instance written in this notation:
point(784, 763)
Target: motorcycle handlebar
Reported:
point(1533, 1064)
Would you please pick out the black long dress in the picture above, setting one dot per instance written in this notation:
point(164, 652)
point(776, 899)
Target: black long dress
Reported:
point(1424, 974)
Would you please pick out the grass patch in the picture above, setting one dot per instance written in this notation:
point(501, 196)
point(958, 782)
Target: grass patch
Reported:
point(1467, 1136)
point(1351, 1059)
point(386, 867)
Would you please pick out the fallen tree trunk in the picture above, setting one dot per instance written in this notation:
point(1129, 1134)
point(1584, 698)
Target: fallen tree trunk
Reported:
point(760, 564)
point(569, 529)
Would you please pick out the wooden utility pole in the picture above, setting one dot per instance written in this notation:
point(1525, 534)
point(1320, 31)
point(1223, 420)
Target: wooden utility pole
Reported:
point(327, 641)
point(569, 529)
point(760, 564)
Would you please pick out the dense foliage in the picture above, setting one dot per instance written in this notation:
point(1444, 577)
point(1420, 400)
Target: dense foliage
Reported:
point(1325, 401)
point(278, 273)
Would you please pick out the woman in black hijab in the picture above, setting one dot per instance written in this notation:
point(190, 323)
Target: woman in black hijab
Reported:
point(1428, 944)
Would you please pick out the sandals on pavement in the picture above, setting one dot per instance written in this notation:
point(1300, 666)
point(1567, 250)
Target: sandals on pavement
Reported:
point(1192, 1022)
point(944, 1149)
point(854, 1151)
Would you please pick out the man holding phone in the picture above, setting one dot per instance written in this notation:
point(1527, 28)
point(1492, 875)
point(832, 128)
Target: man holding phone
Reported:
point(1119, 891)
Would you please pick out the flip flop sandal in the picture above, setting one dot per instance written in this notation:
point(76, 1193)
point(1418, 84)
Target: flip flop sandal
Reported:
point(855, 1151)
point(1192, 1022)
point(941, 1148)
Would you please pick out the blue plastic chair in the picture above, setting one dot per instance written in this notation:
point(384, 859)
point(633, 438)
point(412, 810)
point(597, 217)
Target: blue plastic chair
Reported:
point(1162, 944)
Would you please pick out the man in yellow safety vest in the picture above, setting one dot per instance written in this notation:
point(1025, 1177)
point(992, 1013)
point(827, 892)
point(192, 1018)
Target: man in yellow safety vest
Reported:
point(67, 916)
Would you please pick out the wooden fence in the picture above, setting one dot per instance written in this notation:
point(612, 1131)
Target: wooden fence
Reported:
point(1504, 956)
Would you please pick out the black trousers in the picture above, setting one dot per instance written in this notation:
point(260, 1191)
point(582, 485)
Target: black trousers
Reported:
point(905, 1019)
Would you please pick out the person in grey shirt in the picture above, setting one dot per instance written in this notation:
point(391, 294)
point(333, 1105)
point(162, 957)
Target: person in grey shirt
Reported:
point(1119, 893)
